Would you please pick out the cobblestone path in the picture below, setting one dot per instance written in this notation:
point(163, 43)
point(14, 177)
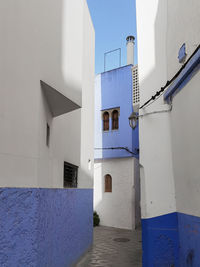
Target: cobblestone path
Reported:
point(114, 247)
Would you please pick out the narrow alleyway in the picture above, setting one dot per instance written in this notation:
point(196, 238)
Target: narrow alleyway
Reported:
point(114, 247)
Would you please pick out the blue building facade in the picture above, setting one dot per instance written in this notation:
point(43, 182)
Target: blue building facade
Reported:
point(113, 89)
point(116, 150)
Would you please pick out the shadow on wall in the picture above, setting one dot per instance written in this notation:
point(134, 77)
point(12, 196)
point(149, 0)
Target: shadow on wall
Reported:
point(67, 64)
point(43, 40)
point(137, 194)
point(63, 63)
point(48, 40)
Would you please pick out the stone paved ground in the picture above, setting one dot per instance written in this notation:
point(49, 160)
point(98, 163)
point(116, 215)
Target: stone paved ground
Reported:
point(107, 252)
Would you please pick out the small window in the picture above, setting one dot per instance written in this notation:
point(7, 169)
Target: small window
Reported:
point(106, 121)
point(108, 183)
point(47, 135)
point(70, 175)
point(115, 120)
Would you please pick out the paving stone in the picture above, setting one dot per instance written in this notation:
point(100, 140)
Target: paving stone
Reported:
point(106, 252)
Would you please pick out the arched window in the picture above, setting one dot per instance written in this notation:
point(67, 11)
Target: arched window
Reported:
point(108, 183)
point(115, 120)
point(106, 121)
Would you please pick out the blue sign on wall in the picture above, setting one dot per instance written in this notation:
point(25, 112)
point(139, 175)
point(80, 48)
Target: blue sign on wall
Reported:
point(182, 53)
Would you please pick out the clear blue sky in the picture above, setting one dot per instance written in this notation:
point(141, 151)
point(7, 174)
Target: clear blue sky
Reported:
point(113, 21)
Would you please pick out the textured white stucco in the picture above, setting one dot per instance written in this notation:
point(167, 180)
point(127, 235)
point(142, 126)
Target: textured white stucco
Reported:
point(86, 172)
point(116, 209)
point(51, 41)
point(158, 195)
point(185, 131)
point(169, 149)
point(183, 27)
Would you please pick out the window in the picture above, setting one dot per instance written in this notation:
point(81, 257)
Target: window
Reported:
point(112, 113)
point(47, 134)
point(70, 175)
point(115, 120)
point(108, 183)
point(106, 121)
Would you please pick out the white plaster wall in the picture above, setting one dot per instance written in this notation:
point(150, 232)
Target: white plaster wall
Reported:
point(66, 143)
point(115, 209)
point(157, 183)
point(136, 215)
point(86, 172)
point(185, 130)
point(98, 116)
point(168, 141)
point(43, 40)
point(183, 27)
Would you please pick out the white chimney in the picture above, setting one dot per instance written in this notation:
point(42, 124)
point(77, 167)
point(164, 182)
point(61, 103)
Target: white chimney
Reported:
point(130, 49)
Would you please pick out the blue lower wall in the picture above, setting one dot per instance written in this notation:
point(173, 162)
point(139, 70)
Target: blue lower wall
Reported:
point(189, 238)
point(171, 240)
point(44, 227)
point(160, 241)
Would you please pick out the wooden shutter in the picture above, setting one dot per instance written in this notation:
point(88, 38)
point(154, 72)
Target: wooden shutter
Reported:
point(108, 183)
point(106, 121)
point(115, 120)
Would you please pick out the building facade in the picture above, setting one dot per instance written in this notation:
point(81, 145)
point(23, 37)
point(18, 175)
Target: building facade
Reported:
point(46, 144)
point(116, 150)
point(169, 63)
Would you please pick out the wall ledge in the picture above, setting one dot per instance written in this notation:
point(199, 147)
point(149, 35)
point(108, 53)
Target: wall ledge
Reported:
point(191, 68)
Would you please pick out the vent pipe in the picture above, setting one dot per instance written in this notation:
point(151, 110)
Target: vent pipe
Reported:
point(130, 49)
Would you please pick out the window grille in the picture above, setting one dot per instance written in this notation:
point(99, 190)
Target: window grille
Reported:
point(47, 135)
point(70, 175)
point(136, 93)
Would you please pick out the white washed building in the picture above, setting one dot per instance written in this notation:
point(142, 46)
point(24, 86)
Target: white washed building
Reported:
point(168, 40)
point(46, 142)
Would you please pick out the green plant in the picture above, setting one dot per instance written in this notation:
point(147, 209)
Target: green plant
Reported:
point(96, 219)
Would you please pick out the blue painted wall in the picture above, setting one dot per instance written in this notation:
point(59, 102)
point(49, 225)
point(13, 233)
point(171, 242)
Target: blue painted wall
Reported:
point(171, 240)
point(44, 227)
point(189, 239)
point(114, 89)
point(160, 241)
